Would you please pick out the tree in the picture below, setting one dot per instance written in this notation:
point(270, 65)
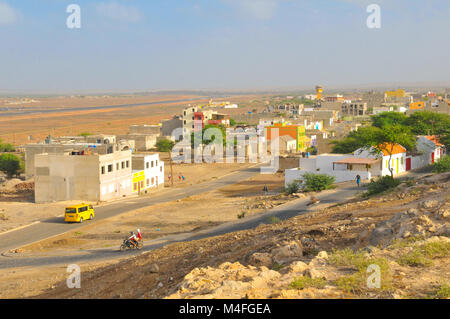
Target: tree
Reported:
point(165, 145)
point(428, 123)
point(232, 122)
point(355, 140)
point(10, 164)
point(6, 147)
point(389, 118)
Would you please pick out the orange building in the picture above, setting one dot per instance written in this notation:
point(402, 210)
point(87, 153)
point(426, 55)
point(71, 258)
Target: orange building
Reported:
point(417, 105)
point(297, 132)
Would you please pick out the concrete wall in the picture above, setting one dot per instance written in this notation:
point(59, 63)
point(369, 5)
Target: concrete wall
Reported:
point(60, 178)
point(142, 142)
point(31, 150)
point(340, 176)
point(145, 129)
point(170, 125)
point(420, 161)
point(66, 177)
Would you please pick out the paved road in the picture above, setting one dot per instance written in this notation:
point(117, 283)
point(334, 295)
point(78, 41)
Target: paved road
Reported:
point(55, 226)
point(288, 210)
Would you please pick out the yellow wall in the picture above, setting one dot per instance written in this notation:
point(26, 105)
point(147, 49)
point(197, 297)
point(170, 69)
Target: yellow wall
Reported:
point(398, 93)
point(138, 181)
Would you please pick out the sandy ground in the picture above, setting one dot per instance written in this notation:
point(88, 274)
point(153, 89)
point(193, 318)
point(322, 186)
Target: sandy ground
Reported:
point(17, 210)
point(25, 282)
point(17, 129)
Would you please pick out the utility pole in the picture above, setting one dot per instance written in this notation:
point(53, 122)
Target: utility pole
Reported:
point(171, 169)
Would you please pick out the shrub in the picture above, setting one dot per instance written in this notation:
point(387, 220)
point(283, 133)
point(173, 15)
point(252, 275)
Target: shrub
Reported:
point(422, 256)
point(443, 292)
point(10, 164)
point(306, 282)
point(241, 215)
point(292, 188)
point(442, 165)
point(317, 182)
point(381, 185)
point(85, 134)
point(357, 282)
point(273, 220)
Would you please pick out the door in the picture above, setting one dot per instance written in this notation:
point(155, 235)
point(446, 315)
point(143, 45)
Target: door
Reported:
point(397, 165)
point(432, 158)
point(408, 164)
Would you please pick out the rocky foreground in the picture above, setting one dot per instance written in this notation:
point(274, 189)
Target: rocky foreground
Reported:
point(333, 253)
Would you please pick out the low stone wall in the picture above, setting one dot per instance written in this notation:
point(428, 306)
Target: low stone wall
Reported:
point(291, 175)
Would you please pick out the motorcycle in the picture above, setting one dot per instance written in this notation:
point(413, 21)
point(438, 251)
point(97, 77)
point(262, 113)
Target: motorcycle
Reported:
point(127, 244)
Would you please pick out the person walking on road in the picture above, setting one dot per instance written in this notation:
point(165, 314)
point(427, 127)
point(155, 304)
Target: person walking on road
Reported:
point(358, 179)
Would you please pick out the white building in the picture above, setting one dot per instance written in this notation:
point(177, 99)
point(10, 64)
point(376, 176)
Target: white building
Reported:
point(148, 172)
point(430, 146)
point(396, 162)
point(82, 176)
point(345, 167)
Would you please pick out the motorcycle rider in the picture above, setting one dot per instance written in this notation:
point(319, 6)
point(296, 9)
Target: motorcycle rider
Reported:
point(133, 239)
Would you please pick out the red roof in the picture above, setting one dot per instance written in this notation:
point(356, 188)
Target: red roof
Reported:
point(434, 139)
point(389, 148)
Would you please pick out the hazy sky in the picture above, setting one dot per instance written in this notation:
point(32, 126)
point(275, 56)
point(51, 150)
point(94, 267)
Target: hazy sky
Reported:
point(235, 44)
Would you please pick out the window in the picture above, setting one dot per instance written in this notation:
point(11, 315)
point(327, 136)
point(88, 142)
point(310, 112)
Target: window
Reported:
point(402, 161)
point(135, 187)
point(117, 166)
point(103, 170)
point(147, 165)
point(128, 164)
point(160, 168)
point(153, 180)
point(148, 182)
point(153, 164)
point(142, 184)
point(123, 165)
point(156, 163)
point(110, 168)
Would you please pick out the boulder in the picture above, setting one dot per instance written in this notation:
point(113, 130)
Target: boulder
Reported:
point(261, 259)
point(153, 268)
point(429, 204)
point(298, 267)
point(291, 250)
